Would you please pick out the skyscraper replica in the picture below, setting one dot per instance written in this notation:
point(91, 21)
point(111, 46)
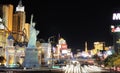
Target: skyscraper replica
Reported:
point(6, 18)
point(19, 18)
point(13, 23)
point(13, 29)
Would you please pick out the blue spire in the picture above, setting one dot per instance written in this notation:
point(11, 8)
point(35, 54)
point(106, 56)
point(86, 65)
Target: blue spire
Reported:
point(10, 37)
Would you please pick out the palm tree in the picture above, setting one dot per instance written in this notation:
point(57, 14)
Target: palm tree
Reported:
point(109, 61)
point(117, 62)
point(2, 59)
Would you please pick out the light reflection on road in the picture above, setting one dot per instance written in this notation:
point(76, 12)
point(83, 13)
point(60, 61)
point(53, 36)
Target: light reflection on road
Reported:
point(75, 67)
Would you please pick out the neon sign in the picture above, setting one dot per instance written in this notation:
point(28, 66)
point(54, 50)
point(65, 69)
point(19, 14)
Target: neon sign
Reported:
point(115, 29)
point(116, 16)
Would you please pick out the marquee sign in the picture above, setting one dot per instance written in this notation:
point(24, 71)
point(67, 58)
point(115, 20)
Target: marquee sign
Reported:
point(116, 16)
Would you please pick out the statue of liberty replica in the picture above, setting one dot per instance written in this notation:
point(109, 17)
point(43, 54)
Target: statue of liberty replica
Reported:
point(31, 52)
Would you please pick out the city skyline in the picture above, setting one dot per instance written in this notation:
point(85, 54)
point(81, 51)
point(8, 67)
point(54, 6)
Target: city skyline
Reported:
point(75, 21)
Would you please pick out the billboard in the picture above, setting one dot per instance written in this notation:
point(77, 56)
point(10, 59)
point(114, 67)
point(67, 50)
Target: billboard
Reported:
point(63, 46)
point(64, 51)
point(116, 16)
point(115, 28)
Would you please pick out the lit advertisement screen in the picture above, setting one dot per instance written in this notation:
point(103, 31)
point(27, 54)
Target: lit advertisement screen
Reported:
point(64, 51)
point(116, 14)
point(63, 46)
point(115, 28)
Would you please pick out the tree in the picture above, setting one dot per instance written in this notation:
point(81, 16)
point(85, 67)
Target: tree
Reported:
point(109, 61)
point(117, 61)
point(2, 59)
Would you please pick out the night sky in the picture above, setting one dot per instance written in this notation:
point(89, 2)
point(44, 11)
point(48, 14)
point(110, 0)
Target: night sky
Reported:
point(75, 20)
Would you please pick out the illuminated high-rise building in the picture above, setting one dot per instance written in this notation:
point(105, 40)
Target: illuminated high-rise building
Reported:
point(19, 22)
point(86, 49)
point(27, 31)
point(98, 46)
point(62, 48)
point(6, 16)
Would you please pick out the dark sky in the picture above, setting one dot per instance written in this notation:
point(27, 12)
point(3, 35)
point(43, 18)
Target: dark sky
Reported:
point(77, 21)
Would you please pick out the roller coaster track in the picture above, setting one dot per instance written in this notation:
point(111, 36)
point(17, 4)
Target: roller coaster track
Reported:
point(21, 33)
